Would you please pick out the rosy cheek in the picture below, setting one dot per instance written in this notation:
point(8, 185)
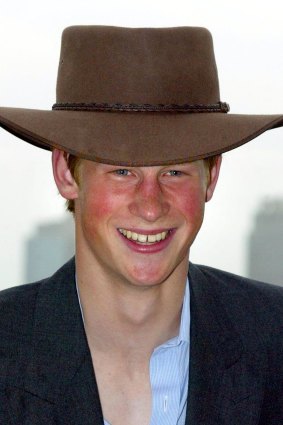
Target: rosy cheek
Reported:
point(191, 205)
point(99, 206)
point(102, 204)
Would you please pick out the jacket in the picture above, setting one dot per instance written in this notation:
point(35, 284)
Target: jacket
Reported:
point(236, 353)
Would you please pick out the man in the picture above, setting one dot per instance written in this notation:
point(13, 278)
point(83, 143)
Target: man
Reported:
point(129, 332)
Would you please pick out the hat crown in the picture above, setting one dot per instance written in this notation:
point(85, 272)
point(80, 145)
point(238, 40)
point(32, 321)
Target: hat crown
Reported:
point(137, 65)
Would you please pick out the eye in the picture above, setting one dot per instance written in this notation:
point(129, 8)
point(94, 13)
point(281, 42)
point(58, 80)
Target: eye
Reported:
point(174, 173)
point(122, 172)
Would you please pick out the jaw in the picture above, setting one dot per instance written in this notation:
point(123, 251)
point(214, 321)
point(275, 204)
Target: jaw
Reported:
point(114, 259)
point(157, 271)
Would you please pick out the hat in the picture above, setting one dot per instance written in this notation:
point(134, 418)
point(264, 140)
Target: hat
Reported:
point(137, 97)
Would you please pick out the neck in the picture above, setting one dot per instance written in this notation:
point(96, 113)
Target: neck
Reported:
point(130, 318)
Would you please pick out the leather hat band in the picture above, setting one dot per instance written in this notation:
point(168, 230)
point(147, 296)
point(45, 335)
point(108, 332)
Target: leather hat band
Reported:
point(132, 107)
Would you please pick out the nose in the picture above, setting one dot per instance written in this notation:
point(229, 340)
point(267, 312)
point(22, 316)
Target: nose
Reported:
point(149, 202)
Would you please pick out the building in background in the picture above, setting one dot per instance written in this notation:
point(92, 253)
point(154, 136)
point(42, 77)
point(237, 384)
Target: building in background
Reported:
point(49, 248)
point(265, 250)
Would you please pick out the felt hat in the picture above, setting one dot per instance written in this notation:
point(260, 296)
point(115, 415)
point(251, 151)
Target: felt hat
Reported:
point(137, 96)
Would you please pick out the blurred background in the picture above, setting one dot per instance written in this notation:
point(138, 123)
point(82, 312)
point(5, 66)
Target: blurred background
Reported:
point(243, 228)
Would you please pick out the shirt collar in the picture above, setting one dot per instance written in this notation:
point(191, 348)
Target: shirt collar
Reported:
point(184, 330)
point(184, 334)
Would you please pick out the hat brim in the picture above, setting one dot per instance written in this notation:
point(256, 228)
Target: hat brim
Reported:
point(136, 138)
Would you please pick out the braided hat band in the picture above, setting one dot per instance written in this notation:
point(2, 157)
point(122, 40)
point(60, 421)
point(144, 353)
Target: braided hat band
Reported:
point(133, 107)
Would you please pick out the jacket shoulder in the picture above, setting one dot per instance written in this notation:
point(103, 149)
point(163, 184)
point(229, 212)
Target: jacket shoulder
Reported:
point(18, 304)
point(233, 282)
point(246, 300)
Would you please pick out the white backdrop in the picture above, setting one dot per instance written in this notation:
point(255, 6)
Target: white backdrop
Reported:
point(248, 38)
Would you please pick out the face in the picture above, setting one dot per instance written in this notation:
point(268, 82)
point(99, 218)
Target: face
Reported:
point(137, 224)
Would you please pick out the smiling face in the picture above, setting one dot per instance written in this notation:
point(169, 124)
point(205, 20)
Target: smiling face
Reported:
point(136, 224)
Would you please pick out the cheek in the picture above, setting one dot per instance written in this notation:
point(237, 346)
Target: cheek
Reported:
point(98, 206)
point(192, 205)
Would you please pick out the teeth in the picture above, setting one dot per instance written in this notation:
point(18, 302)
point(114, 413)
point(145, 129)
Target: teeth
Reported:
point(144, 238)
point(134, 236)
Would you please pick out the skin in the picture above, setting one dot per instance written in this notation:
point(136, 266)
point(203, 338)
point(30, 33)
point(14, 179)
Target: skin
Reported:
point(132, 294)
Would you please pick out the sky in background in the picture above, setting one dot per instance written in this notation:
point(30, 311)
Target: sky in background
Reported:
point(248, 40)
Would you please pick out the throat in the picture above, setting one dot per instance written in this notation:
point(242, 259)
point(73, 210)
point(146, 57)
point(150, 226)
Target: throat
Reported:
point(133, 333)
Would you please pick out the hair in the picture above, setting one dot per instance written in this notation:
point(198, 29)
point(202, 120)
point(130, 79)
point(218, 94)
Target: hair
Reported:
point(210, 162)
point(74, 165)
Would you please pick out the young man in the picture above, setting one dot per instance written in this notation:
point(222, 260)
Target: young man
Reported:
point(129, 332)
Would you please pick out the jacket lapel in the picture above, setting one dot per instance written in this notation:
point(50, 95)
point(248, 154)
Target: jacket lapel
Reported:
point(225, 382)
point(60, 370)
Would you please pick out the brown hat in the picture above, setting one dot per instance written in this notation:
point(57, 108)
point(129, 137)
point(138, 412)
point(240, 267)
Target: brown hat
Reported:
point(132, 96)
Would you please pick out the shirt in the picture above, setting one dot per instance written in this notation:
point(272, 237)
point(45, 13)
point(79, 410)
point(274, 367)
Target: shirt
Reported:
point(169, 373)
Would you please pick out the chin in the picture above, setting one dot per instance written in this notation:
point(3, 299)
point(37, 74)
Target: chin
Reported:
point(150, 278)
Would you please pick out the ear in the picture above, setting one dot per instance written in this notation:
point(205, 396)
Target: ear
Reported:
point(64, 180)
point(213, 177)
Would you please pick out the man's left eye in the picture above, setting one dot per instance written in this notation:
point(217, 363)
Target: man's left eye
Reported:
point(174, 173)
point(122, 172)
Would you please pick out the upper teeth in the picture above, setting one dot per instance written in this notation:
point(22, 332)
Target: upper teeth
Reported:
point(144, 238)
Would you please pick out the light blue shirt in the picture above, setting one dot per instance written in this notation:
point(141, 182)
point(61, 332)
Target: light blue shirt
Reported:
point(169, 374)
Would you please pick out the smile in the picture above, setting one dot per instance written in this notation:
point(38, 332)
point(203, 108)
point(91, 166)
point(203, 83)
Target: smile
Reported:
point(144, 239)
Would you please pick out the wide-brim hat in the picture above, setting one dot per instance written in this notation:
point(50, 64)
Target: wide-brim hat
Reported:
point(137, 96)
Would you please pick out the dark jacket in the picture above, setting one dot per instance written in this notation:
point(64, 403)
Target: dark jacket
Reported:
point(236, 354)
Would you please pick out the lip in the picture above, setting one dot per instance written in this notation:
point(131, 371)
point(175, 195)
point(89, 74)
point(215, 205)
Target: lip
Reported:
point(148, 249)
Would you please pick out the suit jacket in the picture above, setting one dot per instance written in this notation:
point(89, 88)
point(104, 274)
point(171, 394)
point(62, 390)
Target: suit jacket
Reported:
point(236, 353)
